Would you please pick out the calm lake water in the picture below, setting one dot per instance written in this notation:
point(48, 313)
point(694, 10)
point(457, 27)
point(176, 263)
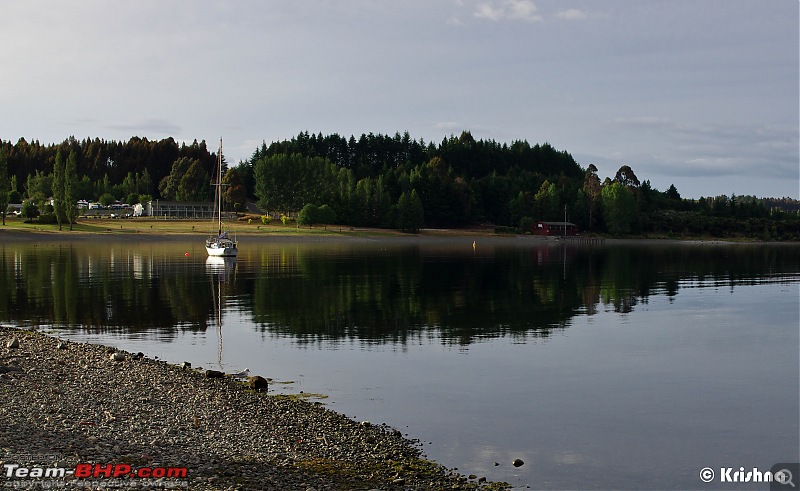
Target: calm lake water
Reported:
point(607, 367)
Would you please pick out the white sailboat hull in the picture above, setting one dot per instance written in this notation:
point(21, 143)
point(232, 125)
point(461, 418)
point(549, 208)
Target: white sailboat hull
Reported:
point(222, 252)
point(221, 248)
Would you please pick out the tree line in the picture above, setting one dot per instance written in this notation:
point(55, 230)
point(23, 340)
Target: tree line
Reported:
point(399, 182)
point(393, 182)
point(105, 171)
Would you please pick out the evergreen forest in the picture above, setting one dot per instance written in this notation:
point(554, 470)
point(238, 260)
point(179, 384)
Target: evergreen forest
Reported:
point(383, 181)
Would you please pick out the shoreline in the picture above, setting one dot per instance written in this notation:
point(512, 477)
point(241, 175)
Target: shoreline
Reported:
point(282, 234)
point(65, 403)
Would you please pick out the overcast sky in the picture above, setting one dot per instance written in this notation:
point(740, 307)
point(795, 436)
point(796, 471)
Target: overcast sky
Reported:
point(699, 93)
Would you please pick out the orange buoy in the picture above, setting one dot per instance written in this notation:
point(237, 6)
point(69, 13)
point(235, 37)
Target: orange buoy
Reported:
point(187, 254)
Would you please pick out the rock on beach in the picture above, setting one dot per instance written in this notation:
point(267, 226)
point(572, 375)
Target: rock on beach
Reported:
point(82, 405)
point(258, 382)
point(117, 356)
point(213, 374)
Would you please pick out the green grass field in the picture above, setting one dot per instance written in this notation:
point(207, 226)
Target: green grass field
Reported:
point(156, 226)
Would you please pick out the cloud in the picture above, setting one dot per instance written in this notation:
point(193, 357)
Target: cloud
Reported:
point(455, 21)
point(448, 125)
point(571, 14)
point(523, 10)
point(696, 149)
point(645, 122)
point(148, 126)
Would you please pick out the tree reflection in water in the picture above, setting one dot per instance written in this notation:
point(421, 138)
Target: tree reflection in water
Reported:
point(373, 293)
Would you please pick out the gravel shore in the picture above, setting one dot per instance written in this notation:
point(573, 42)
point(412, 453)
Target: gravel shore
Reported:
point(63, 404)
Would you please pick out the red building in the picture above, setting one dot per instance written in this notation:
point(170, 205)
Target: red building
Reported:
point(555, 229)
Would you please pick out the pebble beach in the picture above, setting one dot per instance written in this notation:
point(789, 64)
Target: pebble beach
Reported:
point(100, 411)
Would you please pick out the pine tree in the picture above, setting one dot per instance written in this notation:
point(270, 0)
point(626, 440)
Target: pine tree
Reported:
point(404, 212)
point(417, 211)
point(58, 189)
point(410, 213)
point(71, 188)
point(4, 186)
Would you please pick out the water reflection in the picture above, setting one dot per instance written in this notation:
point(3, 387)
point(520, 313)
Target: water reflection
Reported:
point(101, 288)
point(374, 293)
point(221, 272)
point(617, 367)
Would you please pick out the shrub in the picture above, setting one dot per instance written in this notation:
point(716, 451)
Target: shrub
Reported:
point(48, 218)
point(30, 210)
point(526, 225)
point(309, 215)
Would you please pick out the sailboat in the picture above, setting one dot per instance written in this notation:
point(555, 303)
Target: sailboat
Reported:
point(220, 245)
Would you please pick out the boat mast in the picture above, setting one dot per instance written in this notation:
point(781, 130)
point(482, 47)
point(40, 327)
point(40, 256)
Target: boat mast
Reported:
point(219, 189)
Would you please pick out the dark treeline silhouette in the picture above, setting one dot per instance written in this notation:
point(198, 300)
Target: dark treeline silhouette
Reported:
point(399, 182)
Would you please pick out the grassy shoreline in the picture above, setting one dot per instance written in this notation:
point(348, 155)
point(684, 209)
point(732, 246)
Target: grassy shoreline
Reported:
point(177, 229)
point(185, 228)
